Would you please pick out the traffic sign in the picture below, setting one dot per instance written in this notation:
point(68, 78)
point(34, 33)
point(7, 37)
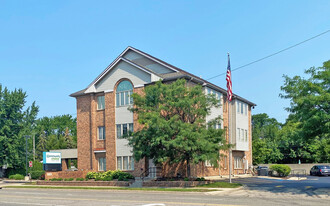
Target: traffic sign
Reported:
point(30, 163)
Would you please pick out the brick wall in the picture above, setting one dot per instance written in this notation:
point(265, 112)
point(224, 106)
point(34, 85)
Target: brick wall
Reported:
point(66, 174)
point(83, 131)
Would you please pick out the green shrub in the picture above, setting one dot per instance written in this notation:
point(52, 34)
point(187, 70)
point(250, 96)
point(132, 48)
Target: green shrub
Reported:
point(56, 179)
point(16, 177)
point(91, 175)
point(80, 179)
point(68, 179)
point(186, 179)
point(281, 170)
point(200, 179)
point(12, 171)
point(109, 175)
point(37, 175)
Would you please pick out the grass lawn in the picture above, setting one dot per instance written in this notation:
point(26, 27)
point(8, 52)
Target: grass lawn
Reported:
point(116, 188)
point(221, 185)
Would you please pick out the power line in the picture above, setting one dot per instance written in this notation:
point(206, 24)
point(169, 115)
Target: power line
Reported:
point(266, 57)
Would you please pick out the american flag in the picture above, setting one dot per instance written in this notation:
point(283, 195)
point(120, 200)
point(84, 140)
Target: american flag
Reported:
point(228, 78)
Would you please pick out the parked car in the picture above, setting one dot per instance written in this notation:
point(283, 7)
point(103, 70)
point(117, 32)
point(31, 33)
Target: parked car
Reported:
point(320, 170)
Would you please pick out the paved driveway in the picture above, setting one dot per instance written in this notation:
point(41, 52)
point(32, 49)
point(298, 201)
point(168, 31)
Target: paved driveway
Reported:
point(313, 187)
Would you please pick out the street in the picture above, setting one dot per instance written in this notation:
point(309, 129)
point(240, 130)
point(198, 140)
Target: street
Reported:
point(257, 191)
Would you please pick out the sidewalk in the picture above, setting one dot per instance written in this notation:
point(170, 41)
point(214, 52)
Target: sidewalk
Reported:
point(224, 177)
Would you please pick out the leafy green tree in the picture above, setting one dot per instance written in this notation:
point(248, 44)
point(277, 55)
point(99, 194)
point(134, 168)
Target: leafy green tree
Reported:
point(173, 125)
point(310, 111)
point(265, 140)
point(15, 122)
point(58, 132)
point(41, 146)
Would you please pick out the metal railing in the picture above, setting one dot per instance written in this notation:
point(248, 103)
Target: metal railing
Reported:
point(298, 173)
point(150, 172)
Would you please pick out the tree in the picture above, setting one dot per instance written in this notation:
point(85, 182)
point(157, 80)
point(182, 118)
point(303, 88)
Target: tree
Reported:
point(58, 132)
point(41, 146)
point(265, 140)
point(173, 125)
point(310, 110)
point(15, 122)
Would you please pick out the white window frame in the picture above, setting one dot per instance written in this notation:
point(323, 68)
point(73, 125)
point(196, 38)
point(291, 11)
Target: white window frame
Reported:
point(238, 163)
point(102, 164)
point(130, 163)
point(238, 133)
point(246, 135)
point(100, 102)
point(238, 106)
point(242, 134)
point(242, 108)
point(246, 109)
point(101, 136)
point(225, 162)
point(130, 128)
point(124, 98)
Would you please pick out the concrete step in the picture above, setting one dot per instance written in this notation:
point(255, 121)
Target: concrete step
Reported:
point(137, 184)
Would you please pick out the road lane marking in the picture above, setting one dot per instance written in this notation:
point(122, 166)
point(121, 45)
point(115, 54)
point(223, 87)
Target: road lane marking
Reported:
point(27, 203)
point(307, 187)
point(279, 186)
point(114, 200)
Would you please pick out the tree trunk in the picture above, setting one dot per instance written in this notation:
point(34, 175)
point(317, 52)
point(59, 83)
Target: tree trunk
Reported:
point(188, 168)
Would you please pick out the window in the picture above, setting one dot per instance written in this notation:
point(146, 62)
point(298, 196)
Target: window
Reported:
point(125, 163)
point(124, 93)
point(100, 133)
point(100, 102)
point(242, 108)
point(123, 129)
point(225, 165)
point(102, 165)
point(237, 106)
point(237, 163)
point(246, 136)
point(118, 130)
point(242, 133)
point(131, 127)
point(245, 109)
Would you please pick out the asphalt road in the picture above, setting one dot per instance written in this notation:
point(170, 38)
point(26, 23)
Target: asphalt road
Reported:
point(314, 186)
point(257, 192)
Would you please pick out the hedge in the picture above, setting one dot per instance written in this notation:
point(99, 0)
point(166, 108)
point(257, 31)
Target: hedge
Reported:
point(37, 175)
point(16, 177)
point(109, 175)
point(281, 170)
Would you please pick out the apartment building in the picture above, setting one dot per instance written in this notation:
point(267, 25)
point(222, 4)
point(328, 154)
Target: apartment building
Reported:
point(103, 118)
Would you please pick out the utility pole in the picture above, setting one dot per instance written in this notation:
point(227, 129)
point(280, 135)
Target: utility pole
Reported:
point(34, 147)
point(26, 154)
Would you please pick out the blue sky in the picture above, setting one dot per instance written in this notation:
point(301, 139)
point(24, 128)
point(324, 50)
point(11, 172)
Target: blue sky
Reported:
point(51, 49)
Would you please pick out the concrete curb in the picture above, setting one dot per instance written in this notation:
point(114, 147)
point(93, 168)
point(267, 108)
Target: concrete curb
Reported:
point(223, 190)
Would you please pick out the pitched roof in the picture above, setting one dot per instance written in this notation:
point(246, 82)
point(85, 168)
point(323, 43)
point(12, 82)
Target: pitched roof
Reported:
point(176, 74)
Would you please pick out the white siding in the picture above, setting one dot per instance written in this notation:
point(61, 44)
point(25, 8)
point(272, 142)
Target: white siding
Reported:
point(122, 70)
point(242, 123)
point(215, 111)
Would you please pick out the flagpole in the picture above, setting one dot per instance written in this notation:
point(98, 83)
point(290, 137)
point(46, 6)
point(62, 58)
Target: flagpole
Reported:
point(229, 137)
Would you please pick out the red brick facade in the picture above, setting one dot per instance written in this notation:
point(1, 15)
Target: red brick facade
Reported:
point(89, 118)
